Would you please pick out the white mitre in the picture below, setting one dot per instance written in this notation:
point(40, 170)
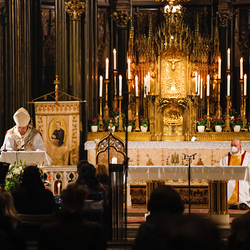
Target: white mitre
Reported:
point(21, 117)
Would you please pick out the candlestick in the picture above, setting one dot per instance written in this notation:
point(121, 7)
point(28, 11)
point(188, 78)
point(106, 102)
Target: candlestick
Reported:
point(244, 119)
point(129, 71)
point(208, 128)
point(227, 119)
point(107, 69)
point(114, 52)
point(100, 116)
point(201, 87)
point(136, 86)
point(228, 59)
point(137, 123)
point(241, 68)
point(120, 127)
point(115, 102)
point(148, 82)
point(100, 87)
point(228, 85)
point(219, 109)
point(59, 188)
point(219, 68)
point(145, 87)
point(208, 85)
point(245, 85)
point(120, 85)
point(106, 108)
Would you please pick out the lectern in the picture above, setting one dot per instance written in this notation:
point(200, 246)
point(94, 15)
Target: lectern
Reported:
point(31, 157)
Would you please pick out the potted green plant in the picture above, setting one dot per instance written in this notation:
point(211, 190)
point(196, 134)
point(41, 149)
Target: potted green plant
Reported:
point(201, 124)
point(236, 124)
point(116, 112)
point(248, 124)
point(144, 124)
point(218, 124)
point(94, 124)
point(128, 124)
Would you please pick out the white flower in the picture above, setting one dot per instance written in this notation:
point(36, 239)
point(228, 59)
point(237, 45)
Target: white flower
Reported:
point(17, 170)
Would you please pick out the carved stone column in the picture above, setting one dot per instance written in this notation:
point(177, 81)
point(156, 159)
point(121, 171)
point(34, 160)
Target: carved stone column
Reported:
point(61, 45)
point(75, 9)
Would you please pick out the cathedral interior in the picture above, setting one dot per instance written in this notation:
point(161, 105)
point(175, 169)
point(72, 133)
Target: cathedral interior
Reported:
point(171, 62)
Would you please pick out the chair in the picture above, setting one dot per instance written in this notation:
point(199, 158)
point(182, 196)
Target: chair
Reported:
point(31, 224)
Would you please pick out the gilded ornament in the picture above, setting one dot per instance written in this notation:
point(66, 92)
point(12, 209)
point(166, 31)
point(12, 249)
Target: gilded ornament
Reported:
point(75, 9)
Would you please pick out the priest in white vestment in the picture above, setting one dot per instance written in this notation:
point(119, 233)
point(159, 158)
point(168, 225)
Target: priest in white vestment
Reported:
point(238, 191)
point(23, 136)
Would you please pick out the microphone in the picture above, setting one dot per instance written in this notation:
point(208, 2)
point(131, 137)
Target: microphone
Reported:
point(28, 141)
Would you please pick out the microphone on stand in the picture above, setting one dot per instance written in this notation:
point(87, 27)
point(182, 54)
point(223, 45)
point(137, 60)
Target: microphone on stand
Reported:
point(28, 141)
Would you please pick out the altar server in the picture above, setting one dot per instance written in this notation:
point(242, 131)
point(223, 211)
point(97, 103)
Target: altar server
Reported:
point(238, 191)
point(23, 136)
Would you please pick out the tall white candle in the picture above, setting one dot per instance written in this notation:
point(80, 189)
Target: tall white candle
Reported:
point(199, 83)
point(196, 82)
point(136, 86)
point(245, 84)
point(201, 87)
point(241, 68)
point(114, 160)
point(219, 68)
point(208, 85)
point(129, 70)
point(107, 69)
point(59, 188)
point(120, 85)
point(148, 82)
point(228, 85)
point(228, 58)
point(100, 87)
point(114, 52)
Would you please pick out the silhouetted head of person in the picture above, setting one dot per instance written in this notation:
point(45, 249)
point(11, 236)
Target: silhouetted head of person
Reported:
point(3, 205)
point(191, 231)
point(101, 170)
point(87, 175)
point(31, 178)
point(80, 164)
point(73, 198)
point(165, 198)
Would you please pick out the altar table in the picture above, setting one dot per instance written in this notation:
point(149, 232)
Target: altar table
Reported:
point(217, 177)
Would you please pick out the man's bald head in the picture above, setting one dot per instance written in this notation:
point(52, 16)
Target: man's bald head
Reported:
point(236, 143)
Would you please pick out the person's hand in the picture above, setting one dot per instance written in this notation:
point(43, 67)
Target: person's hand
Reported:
point(53, 136)
point(46, 185)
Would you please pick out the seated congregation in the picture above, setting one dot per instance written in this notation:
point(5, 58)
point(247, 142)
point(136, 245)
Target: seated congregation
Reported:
point(166, 227)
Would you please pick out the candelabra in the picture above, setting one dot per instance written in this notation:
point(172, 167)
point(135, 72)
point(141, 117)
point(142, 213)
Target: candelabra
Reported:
point(106, 108)
point(244, 119)
point(129, 99)
point(219, 110)
point(227, 119)
point(100, 116)
point(137, 128)
point(208, 128)
point(115, 102)
point(120, 128)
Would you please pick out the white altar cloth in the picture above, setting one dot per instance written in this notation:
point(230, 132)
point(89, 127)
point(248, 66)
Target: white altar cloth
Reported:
point(146, 173)
point(176, 144)
point(31, 157)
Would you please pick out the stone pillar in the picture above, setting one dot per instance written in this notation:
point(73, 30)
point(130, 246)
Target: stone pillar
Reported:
point(75, 9)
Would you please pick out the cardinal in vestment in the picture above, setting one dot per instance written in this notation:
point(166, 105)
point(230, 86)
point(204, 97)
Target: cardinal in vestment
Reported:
point(238, 190)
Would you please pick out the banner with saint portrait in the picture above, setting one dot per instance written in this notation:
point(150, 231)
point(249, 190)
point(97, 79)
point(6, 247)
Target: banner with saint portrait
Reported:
point(59, 123)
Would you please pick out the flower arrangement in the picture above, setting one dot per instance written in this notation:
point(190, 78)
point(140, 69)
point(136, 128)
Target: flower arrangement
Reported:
point(201, 122)
point(94, 122)
point(112, 121)
point(144, 122)
point(248, 122)
point(236, 121)
point(129, 123)
point(13, 176)
point(232, 112)
point(116, 112)
point(218, 122)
